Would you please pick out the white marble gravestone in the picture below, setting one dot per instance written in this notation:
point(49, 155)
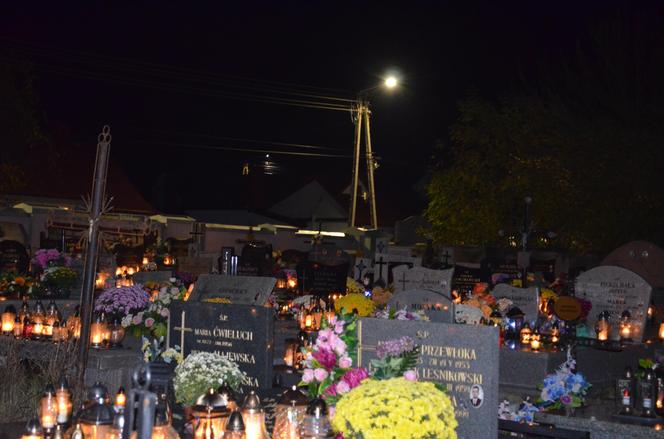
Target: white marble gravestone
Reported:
point(615, 289)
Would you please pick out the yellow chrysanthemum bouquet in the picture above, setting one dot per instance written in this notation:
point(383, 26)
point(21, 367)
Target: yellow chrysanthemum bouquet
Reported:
point(395, 408)
point(355, 302)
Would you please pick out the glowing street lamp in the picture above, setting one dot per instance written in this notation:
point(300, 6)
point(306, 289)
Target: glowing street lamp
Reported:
point(391, 82)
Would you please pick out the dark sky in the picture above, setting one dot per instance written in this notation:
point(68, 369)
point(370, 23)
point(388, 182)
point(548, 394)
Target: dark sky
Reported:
point(111, 62)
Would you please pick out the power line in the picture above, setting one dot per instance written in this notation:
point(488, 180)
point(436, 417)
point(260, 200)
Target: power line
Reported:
point(240, 149)
point(241, 139)
point(177, 72)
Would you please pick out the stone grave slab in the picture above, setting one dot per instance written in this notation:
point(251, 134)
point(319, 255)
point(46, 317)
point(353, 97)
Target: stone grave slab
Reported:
point(240, 290)
point(615, 289)
point(466, 276)
point(462, 357)
point(195, 265)
point(420, 278)
point(527, 299)
point(13, 257)
point(152, 276)
point(436, 306)
point(316, 278)
point(242, 333)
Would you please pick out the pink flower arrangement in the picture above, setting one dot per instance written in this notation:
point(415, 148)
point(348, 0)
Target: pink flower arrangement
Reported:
point(328, 367)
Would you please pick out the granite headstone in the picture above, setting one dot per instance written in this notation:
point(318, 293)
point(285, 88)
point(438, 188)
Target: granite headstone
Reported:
point(240, 290)
point(240, 333)
point(527, 299)
point(13, 257)
point(615, 289)
point(466, 276)
point(322, 279)
point(437, 307)
point(420, 278)
point(464, 358)
point(152, 276)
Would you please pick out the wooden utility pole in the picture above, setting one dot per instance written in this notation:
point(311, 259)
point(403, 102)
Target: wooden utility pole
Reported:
point(362, 114)
point(96, 208)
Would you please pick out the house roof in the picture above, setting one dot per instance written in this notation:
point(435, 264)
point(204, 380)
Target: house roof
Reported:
point(310, 201)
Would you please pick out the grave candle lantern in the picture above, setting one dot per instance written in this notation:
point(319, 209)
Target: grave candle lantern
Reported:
point(625, 326)
point(602, 326)
point(27, 327)
point(648, 395)
point(317, 313)
point(74, 324)
point(316, 423)
point(64, 401)
point(535, 341)
point(48, 409)
point(8, 318)
point(626, 390)
point(281, 281)
point(555, 334)
point(117, 333)
point(292, 283)
point(661, 332)
point(290, 356)
point(97, 418)
point(33, 430)
point(162, 423)
point(228, 396)
point(212, 407)
point(254, 417)
point(524, 334)
point(97, 332)
point(235, 427)
point(289, 414)
point(18, 327)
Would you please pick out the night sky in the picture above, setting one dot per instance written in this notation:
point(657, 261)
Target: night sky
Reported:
point(161, 76)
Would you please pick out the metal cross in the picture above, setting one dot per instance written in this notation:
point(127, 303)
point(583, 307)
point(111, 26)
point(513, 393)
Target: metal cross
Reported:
point(360, 267)
point(447, 257)
point(182, 328)
point(380, 246)
point(380, 267)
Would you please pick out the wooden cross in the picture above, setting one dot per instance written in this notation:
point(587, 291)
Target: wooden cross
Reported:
point(182, 328)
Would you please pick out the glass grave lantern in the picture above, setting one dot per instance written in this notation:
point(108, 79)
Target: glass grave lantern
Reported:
point(63, 398)
point(162, 421)
point(555, 334)
point(289, 414)
point(18, 327)
point(524, 334)
point(98, 330)
point(253, 416)
point(25, 309)
point(116, 333)
point(52, 316)
point(235, 427)
point(74, 324)
point(535, 341)
point(96, 419)
point(291, 348)
point(48, 409)
point(8, 319)
point(603, 326)
point(626, 391)
point(316, 423)
point(38, 318)
point(212, 412)
point(625, 325)
point(33, 430)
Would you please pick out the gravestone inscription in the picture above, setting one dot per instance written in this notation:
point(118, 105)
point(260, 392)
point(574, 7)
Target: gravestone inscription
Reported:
point(466, 276)
point(240, 290)
point(13, 257)
point(464, 358)
point(152, 276)
point(436, 306)
point(527, 299)
point(241, 333)
point(420, 278)
point(615, 289)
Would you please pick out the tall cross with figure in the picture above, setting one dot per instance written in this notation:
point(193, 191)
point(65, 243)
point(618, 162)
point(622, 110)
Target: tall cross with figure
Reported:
point(182, 328)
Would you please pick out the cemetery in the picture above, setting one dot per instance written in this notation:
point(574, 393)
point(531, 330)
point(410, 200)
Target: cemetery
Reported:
point(219, 261)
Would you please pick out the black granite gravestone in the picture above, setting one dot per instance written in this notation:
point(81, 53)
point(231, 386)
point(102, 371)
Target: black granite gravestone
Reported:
point(465, 278)
point(13, 257)
point(239, 290)
point(315, 278)
point(240, 333)
point(462, 357)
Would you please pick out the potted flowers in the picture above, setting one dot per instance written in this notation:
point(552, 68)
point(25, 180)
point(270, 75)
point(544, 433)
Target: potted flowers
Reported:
point(55, 272)
point(201, 371)
point(564, 389)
